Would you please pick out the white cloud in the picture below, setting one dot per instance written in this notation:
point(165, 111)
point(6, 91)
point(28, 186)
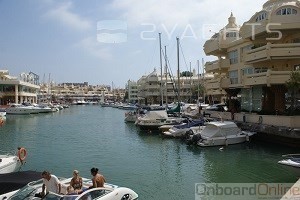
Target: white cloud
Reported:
point(94, 48)
point(181, 12)
point(63, 14)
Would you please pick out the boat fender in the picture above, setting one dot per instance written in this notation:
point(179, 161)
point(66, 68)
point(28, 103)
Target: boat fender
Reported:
point(22, 153)
point(226, 142)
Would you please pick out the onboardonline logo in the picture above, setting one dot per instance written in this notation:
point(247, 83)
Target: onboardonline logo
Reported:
point(111, 31)
point(249, 191)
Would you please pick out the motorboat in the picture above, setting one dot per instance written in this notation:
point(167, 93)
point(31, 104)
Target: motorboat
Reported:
point(292, 163)
point(11, 162)
point(180, 130)
point(18, 109)
point(156, 118)
point(220, 133)
point(2, 112)
point(108, 192)
point(131, 116)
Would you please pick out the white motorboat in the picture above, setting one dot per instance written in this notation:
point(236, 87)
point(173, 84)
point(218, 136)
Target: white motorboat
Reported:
point(108, 192)
point(156, 118)
point(180, 130)
point(221, 133)
point(11, 162)
point(131, 116)
point(292, 163)
point(18, 109)
point(2, 113)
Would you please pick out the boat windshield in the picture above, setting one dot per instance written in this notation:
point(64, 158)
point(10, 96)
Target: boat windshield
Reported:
point(24, 193)
point(94, 194)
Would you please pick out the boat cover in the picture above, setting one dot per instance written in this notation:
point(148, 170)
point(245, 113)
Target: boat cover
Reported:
point(155, 114)
point(220, 129)
point(16, 180)
point(190, 123)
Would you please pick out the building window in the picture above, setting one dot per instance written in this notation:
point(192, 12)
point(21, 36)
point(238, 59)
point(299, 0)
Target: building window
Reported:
point(287, 11)
point(233, 75)
point(260, 70)
point(248, 70)
point(233, 57)
point(261, 17)
point(231, 34)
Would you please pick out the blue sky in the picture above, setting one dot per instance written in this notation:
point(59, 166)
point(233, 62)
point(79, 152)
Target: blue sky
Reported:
point(59, 37)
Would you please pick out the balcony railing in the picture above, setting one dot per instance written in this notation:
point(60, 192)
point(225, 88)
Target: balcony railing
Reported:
point(267, 78)
point(273, 51)
point(217, 65)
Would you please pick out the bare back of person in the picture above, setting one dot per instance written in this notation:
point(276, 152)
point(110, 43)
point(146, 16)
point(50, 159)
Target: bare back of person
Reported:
point(99, 180)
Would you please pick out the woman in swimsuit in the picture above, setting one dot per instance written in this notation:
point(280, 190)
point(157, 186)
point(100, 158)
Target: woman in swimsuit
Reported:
point(76, 181)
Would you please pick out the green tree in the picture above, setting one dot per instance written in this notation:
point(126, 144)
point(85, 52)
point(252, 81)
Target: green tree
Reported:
point(195, 91)
point(293, 85)
point(186, 74)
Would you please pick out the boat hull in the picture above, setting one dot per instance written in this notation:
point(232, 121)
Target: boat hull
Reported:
point(9, 164)
point(222, 141)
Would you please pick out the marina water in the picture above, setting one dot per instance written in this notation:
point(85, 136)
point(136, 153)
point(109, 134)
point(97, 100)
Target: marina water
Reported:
point(83, 137)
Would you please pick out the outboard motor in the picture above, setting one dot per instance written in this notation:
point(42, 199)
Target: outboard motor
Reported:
point(196, 138)
point(188, 136)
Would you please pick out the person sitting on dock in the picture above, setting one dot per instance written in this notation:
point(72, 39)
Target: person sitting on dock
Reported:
point(76, 181)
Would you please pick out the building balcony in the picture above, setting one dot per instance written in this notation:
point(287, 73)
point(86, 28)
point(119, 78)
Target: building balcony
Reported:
point(152, 87)
point(152, 94)
point(215, 92)
point(217, 83)
point(218, 65)
point(267, 78)
point(273, 51)
point(211, 46)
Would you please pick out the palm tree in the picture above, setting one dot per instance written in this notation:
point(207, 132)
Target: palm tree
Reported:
point(293, 85)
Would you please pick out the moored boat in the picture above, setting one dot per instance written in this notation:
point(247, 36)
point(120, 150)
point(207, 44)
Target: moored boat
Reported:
point(291, 162)
point(220, 133)
point(11, 162)
point(108, 192)
point(180, 130)
point(18, 109)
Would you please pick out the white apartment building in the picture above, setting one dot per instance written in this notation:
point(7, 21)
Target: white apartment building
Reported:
point(255, 60)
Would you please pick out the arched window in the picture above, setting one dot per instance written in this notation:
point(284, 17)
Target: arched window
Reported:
point(287, 11)
point(261, 16)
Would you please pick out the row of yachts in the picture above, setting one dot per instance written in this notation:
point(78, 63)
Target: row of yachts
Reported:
point(27, 108)
point(199, 130)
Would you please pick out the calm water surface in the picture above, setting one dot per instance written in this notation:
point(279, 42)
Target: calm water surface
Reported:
point(83, 137)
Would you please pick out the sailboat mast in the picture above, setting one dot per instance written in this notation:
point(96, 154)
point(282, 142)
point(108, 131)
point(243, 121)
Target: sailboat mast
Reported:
point(198, 82)
point(191, 81)
point(178, 72)
point(203, 78)
point(166, 70)
point(161, 71)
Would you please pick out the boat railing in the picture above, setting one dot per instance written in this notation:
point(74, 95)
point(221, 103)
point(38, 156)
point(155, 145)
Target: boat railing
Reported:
point(291, 155)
